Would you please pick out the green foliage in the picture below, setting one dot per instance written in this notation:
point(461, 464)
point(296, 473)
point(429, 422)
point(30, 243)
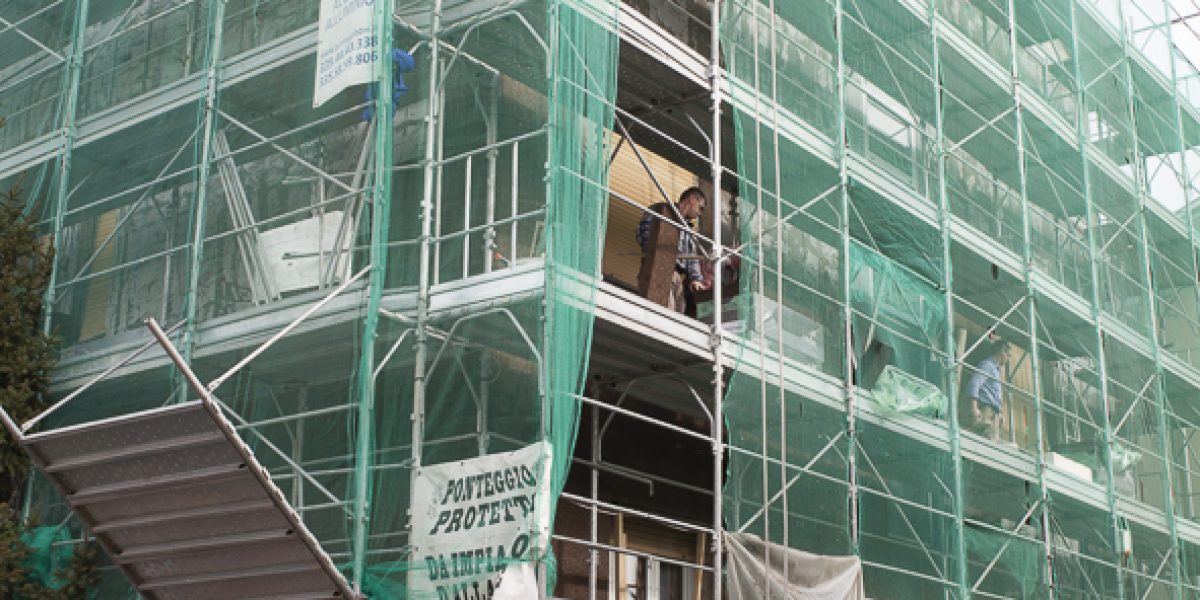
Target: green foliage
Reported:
point(17, 577)
point(27, 357)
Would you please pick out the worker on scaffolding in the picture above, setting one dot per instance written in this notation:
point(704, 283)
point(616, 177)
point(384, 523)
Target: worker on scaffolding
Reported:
point(688, 277)
point(986, 390)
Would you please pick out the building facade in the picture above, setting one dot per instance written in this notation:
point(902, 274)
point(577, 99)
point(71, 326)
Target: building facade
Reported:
point(908, 201)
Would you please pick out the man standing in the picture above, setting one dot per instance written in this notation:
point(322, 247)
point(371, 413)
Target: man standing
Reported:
point(985, 390)
point(688, 277)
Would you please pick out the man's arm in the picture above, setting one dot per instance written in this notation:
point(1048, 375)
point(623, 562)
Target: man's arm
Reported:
point(690, 266)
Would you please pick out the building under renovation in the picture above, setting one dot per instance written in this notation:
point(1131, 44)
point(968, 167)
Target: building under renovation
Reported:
point(944, 340)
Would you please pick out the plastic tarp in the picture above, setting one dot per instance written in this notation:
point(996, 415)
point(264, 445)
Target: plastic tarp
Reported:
point(898, 392)
point(51, 551)
point(759, 569)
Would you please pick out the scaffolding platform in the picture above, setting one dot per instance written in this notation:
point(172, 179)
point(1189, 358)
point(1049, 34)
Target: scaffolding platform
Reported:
point(182, 506)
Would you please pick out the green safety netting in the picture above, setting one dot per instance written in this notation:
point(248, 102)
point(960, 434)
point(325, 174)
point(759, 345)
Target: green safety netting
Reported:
point(582, 97)
point(508, 375)
point(286, 201)
point(158, 204)
point(50, 553)
point(1020, 559)
point(865, 266)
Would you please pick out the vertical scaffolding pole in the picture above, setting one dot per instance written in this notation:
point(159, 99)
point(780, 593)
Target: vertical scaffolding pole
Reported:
point(429, 171)
point(716, 85)
point(779, 294)
point(593, 510)
point(759, 288)
point(1031, 298)
point(212, 79)
point(380, 224)
point(1184, 171)
point(951, 345)
point(842, 148)
point(1094, 253)
point(1185, 184)
point(71, 77)
point(1159, 389)
point(70, 97)
point(489, 235)
point(545, 387)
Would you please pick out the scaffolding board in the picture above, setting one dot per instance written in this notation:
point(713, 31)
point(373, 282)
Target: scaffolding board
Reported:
point(183, 507)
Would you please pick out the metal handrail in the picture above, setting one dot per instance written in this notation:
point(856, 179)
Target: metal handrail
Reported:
point(216, 383)
point(109, 371)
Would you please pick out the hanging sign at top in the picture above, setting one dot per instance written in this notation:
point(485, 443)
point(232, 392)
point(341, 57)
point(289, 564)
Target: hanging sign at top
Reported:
point(347, 47)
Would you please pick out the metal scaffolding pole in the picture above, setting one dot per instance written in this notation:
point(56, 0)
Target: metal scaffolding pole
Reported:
point(70, 82)
point(381, 200)
point(1185, 184)
point(212, 79)
point(71, 77)
point(961, 576)
point(1093, 251)
point(1159, 390)
point(777, 186)
point(716, 83)
point(758, 286)
point(430, 171)
point(842, 150)
point(1018, 86)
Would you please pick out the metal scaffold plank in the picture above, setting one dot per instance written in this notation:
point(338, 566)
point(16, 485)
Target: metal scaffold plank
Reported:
point(1061, 295)
point(195, 513)
point(862, 170)
point(181, 504)
point(1037, 106)
point(986, 247)
point(211, 506)
point(157, 447)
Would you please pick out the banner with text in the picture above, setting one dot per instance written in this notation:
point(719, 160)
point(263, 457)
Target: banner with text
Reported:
point(474, 520)
point(347, 47)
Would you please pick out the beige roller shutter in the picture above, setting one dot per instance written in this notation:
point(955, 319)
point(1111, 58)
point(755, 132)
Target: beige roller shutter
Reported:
point(622, 256)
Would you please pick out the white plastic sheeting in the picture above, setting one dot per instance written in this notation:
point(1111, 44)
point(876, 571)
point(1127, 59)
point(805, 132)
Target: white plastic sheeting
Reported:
point(758, 569)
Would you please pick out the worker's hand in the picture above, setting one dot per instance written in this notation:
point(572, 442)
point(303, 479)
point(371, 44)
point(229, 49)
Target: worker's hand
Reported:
point(697, 286)
point(975, 410)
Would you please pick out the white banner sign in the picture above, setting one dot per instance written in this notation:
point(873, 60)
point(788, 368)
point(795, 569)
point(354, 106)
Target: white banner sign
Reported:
point(472, 518)
point(346, 47)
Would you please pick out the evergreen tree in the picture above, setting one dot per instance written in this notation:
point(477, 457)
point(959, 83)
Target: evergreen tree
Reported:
point(27, 357)
point(26, 354)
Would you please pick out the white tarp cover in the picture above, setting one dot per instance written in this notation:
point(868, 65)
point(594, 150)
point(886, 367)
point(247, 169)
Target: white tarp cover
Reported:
point(755, 570)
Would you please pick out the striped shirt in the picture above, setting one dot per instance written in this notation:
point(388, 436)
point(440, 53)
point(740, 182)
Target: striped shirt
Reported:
point(984, 386)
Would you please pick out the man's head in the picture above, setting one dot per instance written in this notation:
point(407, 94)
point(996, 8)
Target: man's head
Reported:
point(999, 351)
point(691, 203)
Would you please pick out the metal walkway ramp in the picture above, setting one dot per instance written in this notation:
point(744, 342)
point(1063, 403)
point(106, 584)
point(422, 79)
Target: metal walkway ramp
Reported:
point(181, 505)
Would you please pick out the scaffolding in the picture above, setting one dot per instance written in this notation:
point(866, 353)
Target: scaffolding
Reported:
point(897, 188)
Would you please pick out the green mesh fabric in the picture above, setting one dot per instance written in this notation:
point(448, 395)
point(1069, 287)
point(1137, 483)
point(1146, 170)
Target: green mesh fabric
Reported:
point(50, 551)
point(1017, 555)
point(583, 92)
point(907, 209)
point(898, 204)
point(181, 206)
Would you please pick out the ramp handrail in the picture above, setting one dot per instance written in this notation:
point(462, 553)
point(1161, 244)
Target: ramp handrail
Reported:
point(25, 427)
